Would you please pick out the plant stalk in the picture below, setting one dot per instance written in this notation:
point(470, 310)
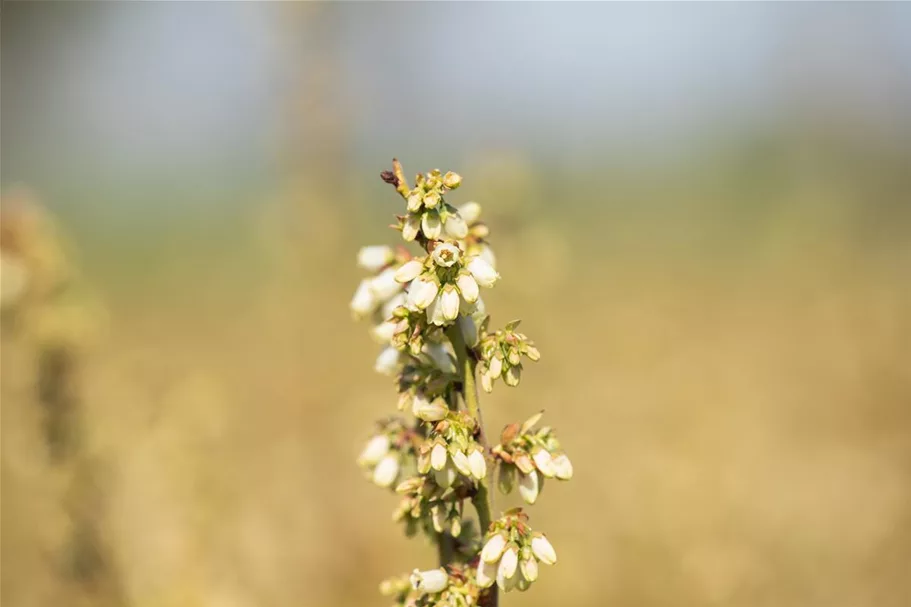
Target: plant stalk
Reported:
point(482, 499)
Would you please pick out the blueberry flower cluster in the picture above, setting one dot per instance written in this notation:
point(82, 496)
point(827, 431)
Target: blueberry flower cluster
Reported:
point(426, 309)
point(530, 456)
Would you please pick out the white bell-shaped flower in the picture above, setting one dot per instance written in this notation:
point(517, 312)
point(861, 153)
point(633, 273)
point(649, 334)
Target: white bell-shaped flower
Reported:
point(364, 301)
point(544, 462)
point(493, 548)
point(563, 467)
point(543, 549)
point(409, 270)
point(387, 363)
point(386, 470)
point(449, 302)
point(478, 464)
point(411, 227)
point(530, 486)
point(438, 456)
point(431, 225)
point(446, 255)
point(468, 288)
point(429, 582)
point(486, 574)
point(384, 285)
point(455, 226)
point(376, 448)
point(460, 461)
point(482, 271)
point(422, 292)
point(470, 211)
point(374, 258)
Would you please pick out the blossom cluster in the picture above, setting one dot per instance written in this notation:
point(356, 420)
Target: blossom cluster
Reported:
point(531, 456)
point(426, 309)
point(511, 553)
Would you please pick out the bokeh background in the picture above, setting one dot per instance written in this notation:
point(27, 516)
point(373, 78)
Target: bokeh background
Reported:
point(701, 212)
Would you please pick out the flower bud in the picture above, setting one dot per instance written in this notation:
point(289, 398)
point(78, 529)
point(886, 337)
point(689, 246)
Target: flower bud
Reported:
point(422, 292)
point(563, 467)
point(449, 302)
point(411, 227)
point(529, 568)
point(438, 518)
point(493, 548)
point(512, 376)
point(482, 271)
point(460, 461)
point(455, 226)
point(487, 255)
point(486, 574)
point(414, 202)
point(430, 582)
point(384, 285)
point(363, 302)
point(533, 354)
point(438, 456)
point(508, 562)
point(478, 464)
point(506, 479)
point(374, 258)
point(387, 363)
point(376, 448)
point(431, 200)
point(470, 212)
point(544, 462)
point(429, 411)
point(452, 180)
point(455, 526)
point(530, 486)
point(543, 549)
point(386, 470)
point(410, 270)
point(431, 225)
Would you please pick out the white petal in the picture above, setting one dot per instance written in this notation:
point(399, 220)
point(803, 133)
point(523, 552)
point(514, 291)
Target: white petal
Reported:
point(469, 330)
point(414, 202)
point(544, 462)
point(513, 375)
point(384, 331)
point(483, 272)
point(445, 477)
point(478, 464)
point(508, 563)
point(376, 448)
point(438, 456)
point(486, 574)
point(386, 471)
point(429, 411)
point(487, 255)
point(363, 302)
point(529, 486)
point(470, 212)
point(384, 285)
point(455, 226)
point(494, 548)
point(564, 467)
point(387, 362)
point(422, 292)
point(543, 549)
point(460, 460)
point(446, 255)
point(495, 365)
point(411, 227)
point(435, 311)
point(449, 300)
point(409, 270)
point(468, 287)
point(374, 258)
point(529, 569)
point(431, 225)
point(429, 582)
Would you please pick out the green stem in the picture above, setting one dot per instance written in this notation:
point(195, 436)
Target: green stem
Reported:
point(482, 499)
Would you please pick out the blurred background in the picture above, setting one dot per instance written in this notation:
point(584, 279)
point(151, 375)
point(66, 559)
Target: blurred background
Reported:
point(701, 212)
